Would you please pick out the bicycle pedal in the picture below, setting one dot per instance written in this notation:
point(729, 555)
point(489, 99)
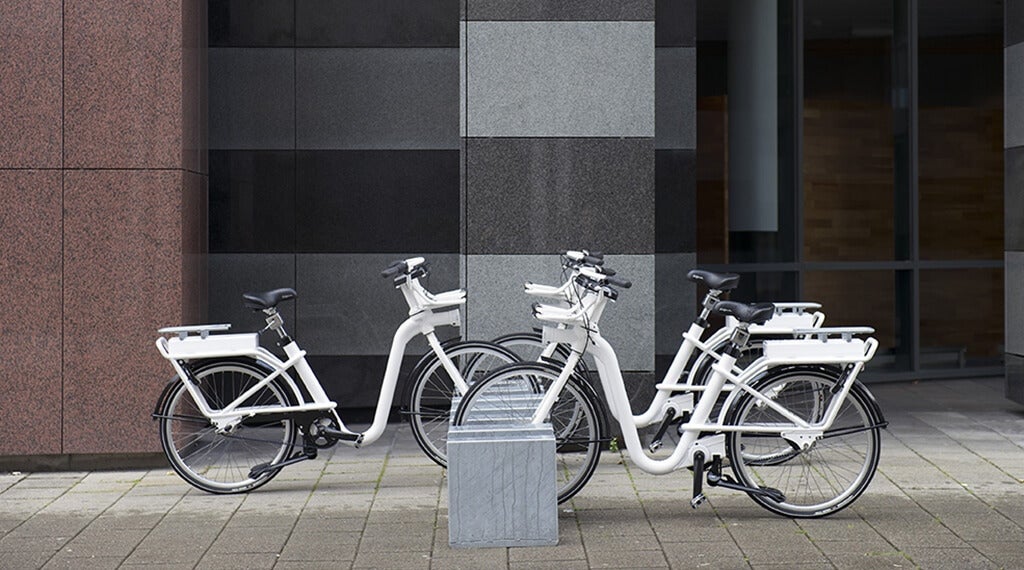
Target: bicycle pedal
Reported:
point(654, 446)
point(698, 500)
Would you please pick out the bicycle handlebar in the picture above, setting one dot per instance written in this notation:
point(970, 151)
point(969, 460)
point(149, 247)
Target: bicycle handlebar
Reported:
point(394, 269)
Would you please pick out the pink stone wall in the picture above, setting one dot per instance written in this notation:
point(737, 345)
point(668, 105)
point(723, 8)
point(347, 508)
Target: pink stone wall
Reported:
point(103, 217)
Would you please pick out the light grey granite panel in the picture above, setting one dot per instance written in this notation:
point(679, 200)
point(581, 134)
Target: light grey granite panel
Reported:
point(674, 298)
point(252, 98)
point(1013, 104)
point(1014, 279)
point(675, 98)
point(543, 195)
point(561, 10)
point(377, 98)
point(1013, 205)
point(560, 79)
point(346, 308)
point(232, 274)
point(501, 486)
point(497, 304)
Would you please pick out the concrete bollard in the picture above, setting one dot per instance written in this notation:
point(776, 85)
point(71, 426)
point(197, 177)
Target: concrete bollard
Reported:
point(501, 484)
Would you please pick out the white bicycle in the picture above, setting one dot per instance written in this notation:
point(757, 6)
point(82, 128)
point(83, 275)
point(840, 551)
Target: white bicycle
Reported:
point(801, 435)
point(233, 416)
point(432, 387)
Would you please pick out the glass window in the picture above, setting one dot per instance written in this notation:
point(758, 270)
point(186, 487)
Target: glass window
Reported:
point(863, 298)
point(848, 149)
point(961, 317)
point(960, 121)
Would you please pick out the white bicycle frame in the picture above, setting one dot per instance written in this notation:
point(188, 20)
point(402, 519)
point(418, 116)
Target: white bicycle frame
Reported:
point(819, 346)
point(426, 312)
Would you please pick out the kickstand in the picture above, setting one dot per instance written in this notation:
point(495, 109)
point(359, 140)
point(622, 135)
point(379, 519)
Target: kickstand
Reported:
point(698, 480)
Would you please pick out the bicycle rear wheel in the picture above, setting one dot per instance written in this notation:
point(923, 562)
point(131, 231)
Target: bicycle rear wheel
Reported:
point(511, 395)
point(430, 397)
point(220, 462)
point(833, 471)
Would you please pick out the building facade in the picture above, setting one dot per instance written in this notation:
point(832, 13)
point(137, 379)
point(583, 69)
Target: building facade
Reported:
point(171, 157)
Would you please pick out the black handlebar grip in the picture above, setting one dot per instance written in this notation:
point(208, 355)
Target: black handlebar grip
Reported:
point(593, 260)
point(619, 282)
point(394, 269)
point(597, 254)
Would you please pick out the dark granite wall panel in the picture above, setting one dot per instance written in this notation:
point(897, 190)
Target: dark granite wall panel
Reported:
point(381, 23)
point(1015, 377)
point(535, 195)
point(30, 284)
point(675, 98)
point(1013, 205)
point(377, 201)
point(252, 201)
point(560, 10)
point(1013, 23)
point(675, 201)
point(1013, 96)
point(675, 23)
point(675, 300)
point(345, 307)
point(233, 274)
point(1014, 302)
point(252, 23)
point(377, 98)
point(252, 98)
point(31, 74)
point(354, 383)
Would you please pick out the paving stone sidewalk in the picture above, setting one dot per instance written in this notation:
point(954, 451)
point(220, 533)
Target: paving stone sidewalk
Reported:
point(949, 494)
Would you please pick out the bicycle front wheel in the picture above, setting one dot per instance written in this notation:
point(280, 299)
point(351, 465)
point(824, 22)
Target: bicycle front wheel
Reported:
point(430, 398)
point(830, 474)
point(512, 394)
point(219, 462)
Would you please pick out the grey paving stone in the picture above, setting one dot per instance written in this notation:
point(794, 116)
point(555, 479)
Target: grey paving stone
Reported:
point(559, 552)
point(103, 542)
point(872, 561)
point(411, 560)
point(239, 561)
point(543, 565)
point(47, 525)
point(49, 544)
point(958, 558)
point(26, 558)
point(611, 555)
point(84, 563)
point(246, 540)
point(710, 554)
